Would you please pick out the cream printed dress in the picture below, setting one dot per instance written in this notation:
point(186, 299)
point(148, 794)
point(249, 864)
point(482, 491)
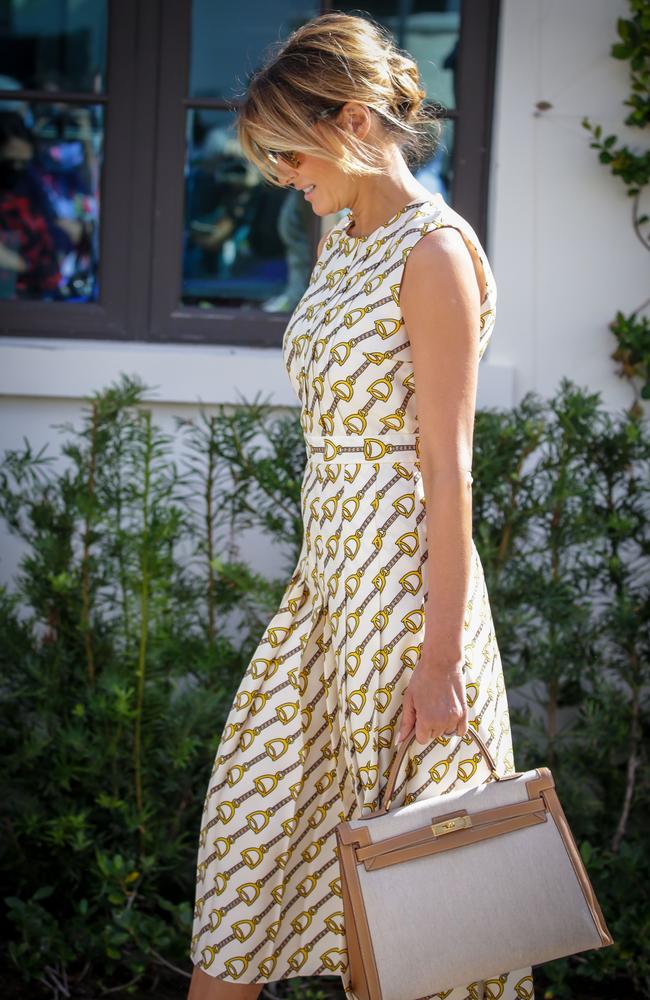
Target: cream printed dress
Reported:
point(311, 733)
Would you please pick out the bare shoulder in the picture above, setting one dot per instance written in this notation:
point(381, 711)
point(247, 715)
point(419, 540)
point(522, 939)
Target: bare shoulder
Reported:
point(440, 262)
point(438, 255)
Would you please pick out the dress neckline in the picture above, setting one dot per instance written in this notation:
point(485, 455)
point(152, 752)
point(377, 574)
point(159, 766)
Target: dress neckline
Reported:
point(347, 222)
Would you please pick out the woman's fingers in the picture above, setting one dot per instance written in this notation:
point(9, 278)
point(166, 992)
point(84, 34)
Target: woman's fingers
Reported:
point(435, 704)
point(463, 722)
point(408, 716)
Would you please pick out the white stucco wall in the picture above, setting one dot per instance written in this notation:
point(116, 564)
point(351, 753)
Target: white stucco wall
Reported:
point(560, 244)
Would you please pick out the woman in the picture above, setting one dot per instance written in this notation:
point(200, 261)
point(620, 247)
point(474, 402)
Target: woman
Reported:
point(347, 666)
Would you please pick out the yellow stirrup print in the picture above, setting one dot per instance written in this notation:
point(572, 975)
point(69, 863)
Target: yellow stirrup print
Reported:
point(309, 735)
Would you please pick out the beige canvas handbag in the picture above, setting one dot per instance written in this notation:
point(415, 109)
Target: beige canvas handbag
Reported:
point(463, 886)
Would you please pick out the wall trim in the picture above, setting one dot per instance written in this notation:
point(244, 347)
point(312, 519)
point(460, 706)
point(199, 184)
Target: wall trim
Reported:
point(208, 373)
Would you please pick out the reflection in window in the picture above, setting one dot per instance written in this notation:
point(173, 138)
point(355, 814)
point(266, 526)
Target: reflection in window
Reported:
point(436, 172)
point(431, 36)
point(50, 161)
point(53, 46)
point(429, 31)
point(228, 43)
point(245, 241)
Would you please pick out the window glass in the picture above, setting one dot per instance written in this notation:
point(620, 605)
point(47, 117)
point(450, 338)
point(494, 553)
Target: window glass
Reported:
point(436, 171)
point(47, 45)
point(228, 44)
point(430, 32)
point(50, 165)
point(245, 241)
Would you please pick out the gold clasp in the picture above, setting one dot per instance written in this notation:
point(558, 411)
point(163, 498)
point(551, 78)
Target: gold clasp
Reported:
point(449, 825)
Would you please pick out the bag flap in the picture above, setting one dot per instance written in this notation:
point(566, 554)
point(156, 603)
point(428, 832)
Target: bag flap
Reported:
point(403, 819)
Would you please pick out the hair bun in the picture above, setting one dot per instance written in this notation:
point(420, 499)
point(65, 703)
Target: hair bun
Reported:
point(408, 91)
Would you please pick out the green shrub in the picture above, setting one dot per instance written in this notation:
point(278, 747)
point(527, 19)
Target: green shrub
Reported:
point(133, 617)
point(132, 621)
point(562, 518)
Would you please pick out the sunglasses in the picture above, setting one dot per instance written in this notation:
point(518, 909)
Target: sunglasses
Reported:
point(287, 156)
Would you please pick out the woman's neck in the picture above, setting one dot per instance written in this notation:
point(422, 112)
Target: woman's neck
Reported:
point(380, 196)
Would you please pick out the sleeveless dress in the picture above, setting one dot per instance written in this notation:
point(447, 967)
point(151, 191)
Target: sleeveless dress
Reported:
point(311, 733)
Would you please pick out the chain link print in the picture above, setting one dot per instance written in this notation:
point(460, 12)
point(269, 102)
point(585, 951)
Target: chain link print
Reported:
point(311, 733)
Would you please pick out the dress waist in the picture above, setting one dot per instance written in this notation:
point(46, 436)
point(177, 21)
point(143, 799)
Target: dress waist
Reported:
point(343, 448)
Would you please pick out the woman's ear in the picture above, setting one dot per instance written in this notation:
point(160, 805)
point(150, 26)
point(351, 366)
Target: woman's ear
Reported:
point(356, 118)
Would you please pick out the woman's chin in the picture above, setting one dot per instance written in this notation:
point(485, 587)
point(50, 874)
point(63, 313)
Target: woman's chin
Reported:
point(321, 208)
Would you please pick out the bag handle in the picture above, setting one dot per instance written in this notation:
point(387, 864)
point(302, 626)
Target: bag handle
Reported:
point(401, 752)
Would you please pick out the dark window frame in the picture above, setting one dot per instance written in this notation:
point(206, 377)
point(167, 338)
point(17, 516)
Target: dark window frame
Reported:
point(171, 320)
point(142, 189)
point(107, 318)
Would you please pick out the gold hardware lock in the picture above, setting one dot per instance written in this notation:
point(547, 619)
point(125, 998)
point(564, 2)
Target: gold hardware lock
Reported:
point(449, 825)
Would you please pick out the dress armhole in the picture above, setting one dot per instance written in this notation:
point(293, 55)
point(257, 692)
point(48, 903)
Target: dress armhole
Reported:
point(481, 278)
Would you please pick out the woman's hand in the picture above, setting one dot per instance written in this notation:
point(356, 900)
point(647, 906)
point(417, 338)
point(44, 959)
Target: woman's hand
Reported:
point(435, 702)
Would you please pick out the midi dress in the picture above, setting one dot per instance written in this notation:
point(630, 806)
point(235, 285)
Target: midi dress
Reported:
point(312, 730)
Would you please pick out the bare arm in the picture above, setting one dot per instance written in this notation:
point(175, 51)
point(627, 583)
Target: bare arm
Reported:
point(440, 301)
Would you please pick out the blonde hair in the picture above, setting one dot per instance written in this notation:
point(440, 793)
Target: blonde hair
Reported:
point(291, 101)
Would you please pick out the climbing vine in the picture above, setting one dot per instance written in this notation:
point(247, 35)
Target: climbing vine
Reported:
point(632, 330)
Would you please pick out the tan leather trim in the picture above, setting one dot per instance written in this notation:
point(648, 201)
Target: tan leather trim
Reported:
point(558, 815)
point(355, 968)
point(353, 834)
point(537, 785)
point(424, 834)
point(362, 975)
point(452, 840)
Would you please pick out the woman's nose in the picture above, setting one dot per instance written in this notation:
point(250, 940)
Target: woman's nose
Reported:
point(286, 175)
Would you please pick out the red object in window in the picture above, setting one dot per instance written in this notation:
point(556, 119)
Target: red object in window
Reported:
point(35, 245)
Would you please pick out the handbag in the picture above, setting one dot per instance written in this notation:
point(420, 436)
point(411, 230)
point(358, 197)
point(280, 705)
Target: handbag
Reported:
point(463, 886)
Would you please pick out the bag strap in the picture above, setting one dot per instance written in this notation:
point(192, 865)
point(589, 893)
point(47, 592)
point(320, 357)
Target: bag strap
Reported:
point(401, 752)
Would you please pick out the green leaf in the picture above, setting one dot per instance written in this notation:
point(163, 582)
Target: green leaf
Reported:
point(43, 892)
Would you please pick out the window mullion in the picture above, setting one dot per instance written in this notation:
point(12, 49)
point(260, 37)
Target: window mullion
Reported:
point(174, 49)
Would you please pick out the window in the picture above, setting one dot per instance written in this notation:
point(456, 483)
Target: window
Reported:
point(126, 208)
